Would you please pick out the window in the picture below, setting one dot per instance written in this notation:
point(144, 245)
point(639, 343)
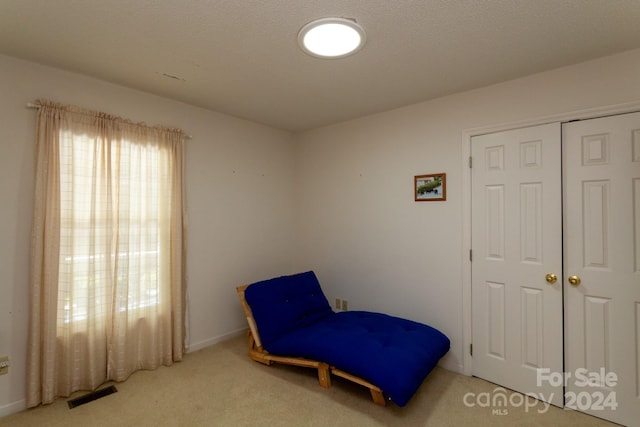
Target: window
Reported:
point(107, 276)
point(110, 227)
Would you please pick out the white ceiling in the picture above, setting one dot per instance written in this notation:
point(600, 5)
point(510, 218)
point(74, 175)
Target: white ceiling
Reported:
point(241, 57)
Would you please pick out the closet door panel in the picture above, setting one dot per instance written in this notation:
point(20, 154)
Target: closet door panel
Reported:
point(517, 241)
point(601, 227)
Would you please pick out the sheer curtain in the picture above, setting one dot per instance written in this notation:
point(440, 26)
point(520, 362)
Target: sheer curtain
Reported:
point(107, 251)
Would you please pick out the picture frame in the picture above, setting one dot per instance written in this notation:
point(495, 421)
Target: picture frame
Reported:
point(430, 188)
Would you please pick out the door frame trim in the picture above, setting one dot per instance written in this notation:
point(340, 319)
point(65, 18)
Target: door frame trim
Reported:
point(469, 133)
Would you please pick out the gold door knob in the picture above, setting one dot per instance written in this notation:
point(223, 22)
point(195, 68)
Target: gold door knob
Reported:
point(551, 278)
point(574, 280)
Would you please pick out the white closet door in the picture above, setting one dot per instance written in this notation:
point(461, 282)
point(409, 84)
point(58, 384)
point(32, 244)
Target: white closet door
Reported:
point(602, 249)
point(517, 244)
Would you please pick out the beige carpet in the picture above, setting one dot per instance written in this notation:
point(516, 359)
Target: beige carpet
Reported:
point(221, 386)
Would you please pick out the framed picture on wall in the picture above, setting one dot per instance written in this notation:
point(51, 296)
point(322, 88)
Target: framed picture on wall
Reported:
point(430, 188)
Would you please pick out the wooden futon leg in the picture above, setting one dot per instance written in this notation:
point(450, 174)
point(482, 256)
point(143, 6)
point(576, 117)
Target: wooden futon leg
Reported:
point(378, 397)
point(323, 375)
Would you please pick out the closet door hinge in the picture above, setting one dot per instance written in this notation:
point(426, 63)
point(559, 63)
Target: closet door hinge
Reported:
point(470, 162)
point(471, 349)
point(471, 255)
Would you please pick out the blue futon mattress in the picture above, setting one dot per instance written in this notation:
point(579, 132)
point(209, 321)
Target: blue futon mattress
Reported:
point(295, 320)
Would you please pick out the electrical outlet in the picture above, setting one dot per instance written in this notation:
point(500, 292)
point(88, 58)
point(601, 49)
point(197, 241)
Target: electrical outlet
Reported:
point(345, 305)
point(4, 365)
point(338, 304)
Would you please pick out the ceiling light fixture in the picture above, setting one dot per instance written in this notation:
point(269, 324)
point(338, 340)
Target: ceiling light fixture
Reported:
point(331, 37)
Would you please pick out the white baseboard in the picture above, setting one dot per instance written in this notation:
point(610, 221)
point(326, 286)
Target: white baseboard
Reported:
point(215, 340)
point(12, 408)
point(452, 366)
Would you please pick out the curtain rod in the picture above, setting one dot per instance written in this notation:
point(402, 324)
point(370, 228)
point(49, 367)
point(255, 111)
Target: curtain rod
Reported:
point(35, 106)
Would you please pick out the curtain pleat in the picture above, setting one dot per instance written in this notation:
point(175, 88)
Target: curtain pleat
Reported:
point(107, 282)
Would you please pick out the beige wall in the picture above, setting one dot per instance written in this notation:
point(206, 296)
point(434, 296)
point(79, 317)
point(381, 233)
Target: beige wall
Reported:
point(239, 178)
point(357, 223)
